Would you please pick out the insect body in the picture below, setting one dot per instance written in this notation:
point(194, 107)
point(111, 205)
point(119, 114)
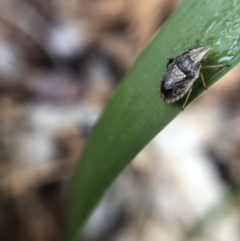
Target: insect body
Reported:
point(181, 73)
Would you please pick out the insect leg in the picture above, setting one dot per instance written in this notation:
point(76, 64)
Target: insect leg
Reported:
point(197, 44)
point(170, 60)
point(215, 66)
point(185, 102)
point(204, 84)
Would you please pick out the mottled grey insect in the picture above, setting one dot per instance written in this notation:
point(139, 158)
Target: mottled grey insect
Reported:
point(182, 72)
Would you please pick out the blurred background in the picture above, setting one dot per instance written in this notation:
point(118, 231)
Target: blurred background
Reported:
point(60, 62)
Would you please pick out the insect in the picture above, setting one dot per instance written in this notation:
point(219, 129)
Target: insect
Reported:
point(182, 72)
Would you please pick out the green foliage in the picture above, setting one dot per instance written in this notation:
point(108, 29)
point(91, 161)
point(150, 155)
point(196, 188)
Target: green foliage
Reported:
point(136, 113)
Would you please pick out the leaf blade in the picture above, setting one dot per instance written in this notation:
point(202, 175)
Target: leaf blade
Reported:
point(136, 113)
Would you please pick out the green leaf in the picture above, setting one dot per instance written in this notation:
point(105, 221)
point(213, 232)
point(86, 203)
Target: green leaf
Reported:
point(136, 113)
